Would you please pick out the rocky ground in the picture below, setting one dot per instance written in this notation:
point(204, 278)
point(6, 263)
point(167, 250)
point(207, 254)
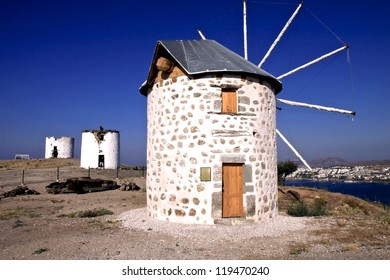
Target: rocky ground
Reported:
point(62, 226)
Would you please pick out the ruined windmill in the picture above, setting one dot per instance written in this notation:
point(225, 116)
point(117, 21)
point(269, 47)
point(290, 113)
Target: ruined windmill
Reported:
point(211, 148)
point(100, 149)
point(59, 147)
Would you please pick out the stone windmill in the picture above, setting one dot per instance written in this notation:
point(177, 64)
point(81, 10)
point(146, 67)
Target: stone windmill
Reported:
point(211, 149)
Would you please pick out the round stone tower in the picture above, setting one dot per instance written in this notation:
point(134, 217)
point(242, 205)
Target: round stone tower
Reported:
point(100, 149)
point(61, 147)
point(211, 149)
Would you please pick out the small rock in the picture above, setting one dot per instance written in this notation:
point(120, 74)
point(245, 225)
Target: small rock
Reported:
point(294, 194)
point(20, 190)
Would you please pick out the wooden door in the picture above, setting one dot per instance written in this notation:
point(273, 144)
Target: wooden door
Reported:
point(232, 191)
point(229, 101)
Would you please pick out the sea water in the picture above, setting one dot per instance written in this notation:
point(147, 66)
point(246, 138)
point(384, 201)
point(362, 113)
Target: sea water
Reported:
point(373, 191)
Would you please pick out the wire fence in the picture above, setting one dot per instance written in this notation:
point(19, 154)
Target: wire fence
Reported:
point(26, 176)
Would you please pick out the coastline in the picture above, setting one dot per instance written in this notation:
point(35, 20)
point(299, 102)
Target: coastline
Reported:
point(374, 191)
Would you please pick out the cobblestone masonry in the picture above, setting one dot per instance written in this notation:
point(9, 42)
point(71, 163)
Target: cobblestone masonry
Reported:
point(187, 131)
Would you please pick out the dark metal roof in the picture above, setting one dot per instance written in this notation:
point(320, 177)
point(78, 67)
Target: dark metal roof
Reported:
point(206, 56)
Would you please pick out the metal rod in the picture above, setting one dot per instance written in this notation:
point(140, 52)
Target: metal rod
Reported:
point(293, 149)
point(117, 172)
point(280, 35)
point(89, 172)
point(245, 32)
point(313, 62)
point(23, 177)
point(201, 35)
point(318, 107)
point(58, 174)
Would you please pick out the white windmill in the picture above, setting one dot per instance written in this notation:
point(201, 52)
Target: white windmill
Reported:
point(288, 102)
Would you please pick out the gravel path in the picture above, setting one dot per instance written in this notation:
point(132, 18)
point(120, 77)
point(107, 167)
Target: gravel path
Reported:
point(139, 220)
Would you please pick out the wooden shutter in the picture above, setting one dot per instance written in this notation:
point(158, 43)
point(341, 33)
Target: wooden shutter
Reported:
point(229, 101)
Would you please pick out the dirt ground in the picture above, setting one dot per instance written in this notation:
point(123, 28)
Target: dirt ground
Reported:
point(49, 227)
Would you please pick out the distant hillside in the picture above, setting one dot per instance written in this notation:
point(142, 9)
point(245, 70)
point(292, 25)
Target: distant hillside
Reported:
point(328, 162)
point(371, 162)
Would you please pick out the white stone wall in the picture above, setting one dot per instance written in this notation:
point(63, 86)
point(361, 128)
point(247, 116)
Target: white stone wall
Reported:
point(92, 147)
point(186, 131)
point(65, 147)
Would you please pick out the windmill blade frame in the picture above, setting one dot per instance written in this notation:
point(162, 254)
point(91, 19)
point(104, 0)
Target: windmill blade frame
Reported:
point(288, 102)
point(293, 149)
point(314, 106)
point(287, 25)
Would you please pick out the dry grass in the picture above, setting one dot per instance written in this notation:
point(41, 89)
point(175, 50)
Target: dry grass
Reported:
point(88, 213)
point(298, 248)
point(355, 232)
point(352, 223)
point(7, 214)
point(40, 251)
point(55, 200)
point(385, 218)
point(337, 204)
point(37, 163)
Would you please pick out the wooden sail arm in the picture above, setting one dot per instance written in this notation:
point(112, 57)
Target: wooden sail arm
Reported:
point(313, 62)
point(245, 31)
point(201, 35)
point(293, 149)
point(318, 107)
point(280, 35)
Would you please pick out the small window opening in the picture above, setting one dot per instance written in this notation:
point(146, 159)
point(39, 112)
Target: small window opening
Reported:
point(229, 101)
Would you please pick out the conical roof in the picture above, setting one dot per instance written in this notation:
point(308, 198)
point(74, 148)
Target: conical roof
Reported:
point(205, 56)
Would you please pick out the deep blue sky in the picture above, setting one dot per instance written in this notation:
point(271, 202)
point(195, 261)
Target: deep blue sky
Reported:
point(67, 66)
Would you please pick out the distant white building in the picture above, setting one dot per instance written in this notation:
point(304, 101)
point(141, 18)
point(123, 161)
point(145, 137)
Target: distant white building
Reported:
point(22, 156)
point(100, 149)
point(62, 147)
